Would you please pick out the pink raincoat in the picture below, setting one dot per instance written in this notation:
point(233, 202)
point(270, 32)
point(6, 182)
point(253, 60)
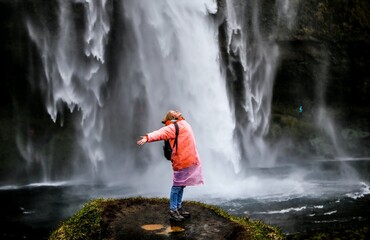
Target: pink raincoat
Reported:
point(185, 158)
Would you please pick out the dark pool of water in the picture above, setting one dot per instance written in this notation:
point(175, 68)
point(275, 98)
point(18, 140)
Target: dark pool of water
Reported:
point(34, 211)
point(305, 214)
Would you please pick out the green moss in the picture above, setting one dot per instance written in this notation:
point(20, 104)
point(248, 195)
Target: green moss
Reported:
point(335, 20)
point(85, 224)
point(291, 126)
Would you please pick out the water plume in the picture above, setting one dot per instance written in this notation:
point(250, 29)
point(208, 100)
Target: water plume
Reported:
point(122, 76)
point(324, 120)
point(170, 61)
point(163, 55)
point(250, 45)
point(74, 77)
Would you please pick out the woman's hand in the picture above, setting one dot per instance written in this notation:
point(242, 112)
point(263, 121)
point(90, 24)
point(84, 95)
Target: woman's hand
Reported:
point(142, 141)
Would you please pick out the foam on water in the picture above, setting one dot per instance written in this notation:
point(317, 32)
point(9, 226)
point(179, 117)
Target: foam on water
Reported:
point(365, 190)
point(40, 184)
point(50, 184)
point(330, 213)
point(9, 187)
point(285, 210)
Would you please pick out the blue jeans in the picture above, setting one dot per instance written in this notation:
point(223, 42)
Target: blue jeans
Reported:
point(176, 197)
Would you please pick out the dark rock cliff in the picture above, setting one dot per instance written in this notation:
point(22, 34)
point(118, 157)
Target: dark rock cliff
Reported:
point(322, 63)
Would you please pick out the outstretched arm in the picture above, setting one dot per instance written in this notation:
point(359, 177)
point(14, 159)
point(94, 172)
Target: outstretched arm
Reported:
point(142, 141)
point(163, 133)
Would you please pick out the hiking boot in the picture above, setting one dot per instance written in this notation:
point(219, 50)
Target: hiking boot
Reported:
point(184, 213)
point(175, 215)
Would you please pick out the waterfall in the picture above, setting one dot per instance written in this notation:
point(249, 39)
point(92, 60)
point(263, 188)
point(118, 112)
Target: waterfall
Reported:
point(160, 55)
point(324, 120)
point(119, 66)
point(286, 13)
point(170, 61)
point(250, 45)
point(74, 69)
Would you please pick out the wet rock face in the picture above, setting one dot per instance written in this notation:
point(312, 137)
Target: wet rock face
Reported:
point(327, 74)
point(337, 20)
point(322, 62)
point(145, 219)
point(326, 47)
point(336, 69)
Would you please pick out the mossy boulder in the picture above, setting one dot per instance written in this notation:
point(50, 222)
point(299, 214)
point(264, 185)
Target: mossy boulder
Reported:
point(147, 218)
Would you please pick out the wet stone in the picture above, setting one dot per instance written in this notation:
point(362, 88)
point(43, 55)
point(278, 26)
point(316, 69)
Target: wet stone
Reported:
point(143, 219)
point(161, 229)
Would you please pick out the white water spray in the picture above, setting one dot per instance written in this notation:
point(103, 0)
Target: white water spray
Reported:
point(175, 60)
point(324, 120)
point(74, 76)
point(166, 57)
point(258, 57)
point(287, 12)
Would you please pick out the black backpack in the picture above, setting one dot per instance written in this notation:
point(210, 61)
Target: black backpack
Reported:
point(167, 150)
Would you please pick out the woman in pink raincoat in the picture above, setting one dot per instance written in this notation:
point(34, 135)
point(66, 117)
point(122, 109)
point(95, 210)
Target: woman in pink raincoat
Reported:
point(186, 165)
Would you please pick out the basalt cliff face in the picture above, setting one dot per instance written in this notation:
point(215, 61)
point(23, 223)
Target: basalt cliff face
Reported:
point(335, 34)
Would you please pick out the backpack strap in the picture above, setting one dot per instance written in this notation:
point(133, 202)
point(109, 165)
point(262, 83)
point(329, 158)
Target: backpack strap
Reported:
point(177, 134)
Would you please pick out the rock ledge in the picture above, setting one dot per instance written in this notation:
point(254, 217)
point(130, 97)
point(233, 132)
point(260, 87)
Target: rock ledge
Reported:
point(147, 218)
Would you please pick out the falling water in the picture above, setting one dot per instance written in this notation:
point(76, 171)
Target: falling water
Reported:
point(324, 120)
point(287, 12)
point(258, 56)
point(163, 55)
point(170, 61)
point(158, 56)
point(74, 70)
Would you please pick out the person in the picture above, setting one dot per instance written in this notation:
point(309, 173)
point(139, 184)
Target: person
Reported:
point(300, 111)
point(186, 164)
